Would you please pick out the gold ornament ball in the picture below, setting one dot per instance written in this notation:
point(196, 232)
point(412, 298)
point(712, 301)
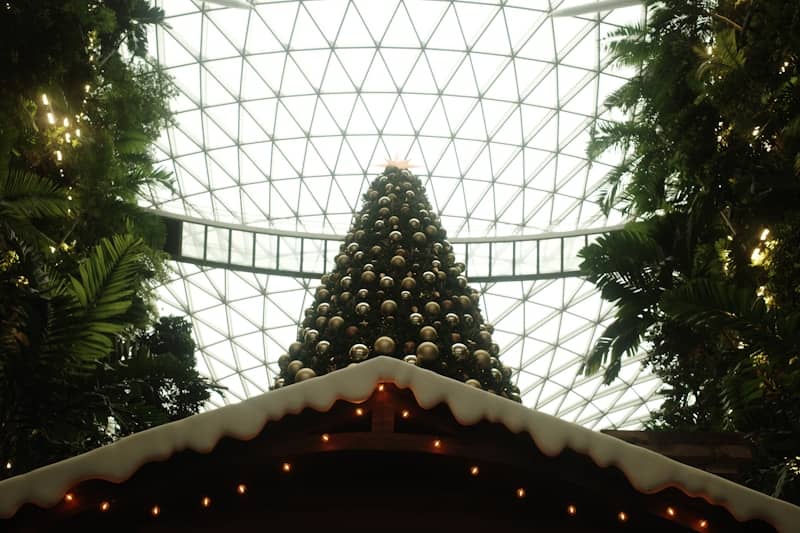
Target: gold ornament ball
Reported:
point(432, 308)
point(429, 276)
point(283, 362)
point(293, 367)
point(428, 333)
point(415, 318)
point(408, 282)
point(414, 223)
point(395, 235)
point(323, 347)
point(321, 322)
point(410, 359)
point(362, 308)
point(465, 301)
point(358, 352)
point(459, 351)
point(398, 261)
point(483, 359)
point(473, 383)
point(294, 349)
point(304, 374)
point(387, 282)
point(368, 276)
point(389, 307)
point(427, 352)
point(419, 237)
point(385, 345)
point(335, 322)
point(345, 282)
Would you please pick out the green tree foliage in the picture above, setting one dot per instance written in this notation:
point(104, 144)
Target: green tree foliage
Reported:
point(707, 274)
point(83, 359)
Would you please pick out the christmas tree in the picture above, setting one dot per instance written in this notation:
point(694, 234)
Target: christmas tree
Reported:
point(397, 290)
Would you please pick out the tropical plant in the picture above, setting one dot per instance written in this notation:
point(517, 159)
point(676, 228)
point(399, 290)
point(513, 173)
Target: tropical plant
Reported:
point(704, 280)
point(80, 106)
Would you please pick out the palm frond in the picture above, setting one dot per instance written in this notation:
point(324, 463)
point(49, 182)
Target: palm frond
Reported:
point(94, 304)
point(27, 196)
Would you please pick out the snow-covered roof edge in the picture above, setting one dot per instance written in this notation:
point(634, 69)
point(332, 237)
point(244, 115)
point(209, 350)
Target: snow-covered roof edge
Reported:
point(647, 471)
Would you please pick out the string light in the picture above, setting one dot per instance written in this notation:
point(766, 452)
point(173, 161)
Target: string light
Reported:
point(405, 413)
point(622, 516)
point(359, 411)
point(671, 512)
point(51, 118)
point(381, 387)
point(474, 470)
point(205, 502)
point(703, 524)
point(45, 100)
point(437, 443)
point(286, 467)
point(520, 493)
point(572, 510)
point(155, 510)
point(59, 155)
point(69, 497)
point(105, 507)
point(78, 132)
point(66, 122)
point(326, 437)
point(241, 488)
point(764, 234)
point(8, 464)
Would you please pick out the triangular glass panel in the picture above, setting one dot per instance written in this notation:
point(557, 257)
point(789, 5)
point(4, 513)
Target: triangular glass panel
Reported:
point(279, 17)
point(353, 33)
point(306, 35)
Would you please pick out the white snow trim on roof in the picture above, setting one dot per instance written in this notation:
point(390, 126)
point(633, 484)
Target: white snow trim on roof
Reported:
point(647, 471)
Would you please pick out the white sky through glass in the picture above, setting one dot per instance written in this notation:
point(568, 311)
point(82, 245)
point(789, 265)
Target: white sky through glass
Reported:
point(284, 110)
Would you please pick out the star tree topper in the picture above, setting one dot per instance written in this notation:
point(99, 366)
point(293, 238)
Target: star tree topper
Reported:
point(396, 162)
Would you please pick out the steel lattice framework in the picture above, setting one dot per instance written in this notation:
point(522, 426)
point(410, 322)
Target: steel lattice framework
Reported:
point(285, 111)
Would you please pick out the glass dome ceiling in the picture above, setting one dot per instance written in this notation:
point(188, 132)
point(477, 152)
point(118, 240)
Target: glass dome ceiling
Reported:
point(288, 109)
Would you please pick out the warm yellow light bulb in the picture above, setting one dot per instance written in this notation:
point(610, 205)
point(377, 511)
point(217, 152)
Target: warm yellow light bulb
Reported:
point(78, 132)
point(8, 465)
point(105, 507)
point(45, 100)
point(474, 470)
point(437, 443)
point(359, 411)
point(326, 437)
point(670, 511)
point(206, 501)
point(66, 122)
point(69, 497)
point(241, 488)
point(286, 467)
point(572, 510)
point(51, 118)
point(703, 524)
point(765, 234)
point(622, 516)
point(381, 387)
point(87, 87)
point(520, 493)
point(405, 413)
point(59, 155)
point(155, 510)
point(67, 137)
